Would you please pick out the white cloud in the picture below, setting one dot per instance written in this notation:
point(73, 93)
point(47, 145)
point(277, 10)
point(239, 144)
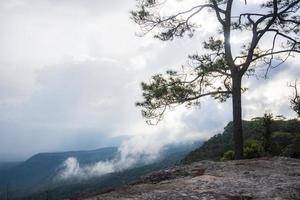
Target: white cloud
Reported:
point(138, 150)
point(272, 94)
point(72, 169)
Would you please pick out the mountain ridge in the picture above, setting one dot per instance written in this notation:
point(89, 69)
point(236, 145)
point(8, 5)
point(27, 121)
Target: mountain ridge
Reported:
point(40, 169)
point(37, 169)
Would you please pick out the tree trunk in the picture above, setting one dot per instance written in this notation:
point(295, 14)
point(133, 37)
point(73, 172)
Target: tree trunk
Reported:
point(237, 116)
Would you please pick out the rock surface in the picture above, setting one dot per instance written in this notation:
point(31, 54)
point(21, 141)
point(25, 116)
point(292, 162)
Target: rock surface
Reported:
point(266, 178)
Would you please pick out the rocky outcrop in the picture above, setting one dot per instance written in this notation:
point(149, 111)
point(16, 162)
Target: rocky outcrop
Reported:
point(266, 178)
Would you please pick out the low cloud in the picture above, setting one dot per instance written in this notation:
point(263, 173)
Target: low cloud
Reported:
point(135, 151)
point(72, 169)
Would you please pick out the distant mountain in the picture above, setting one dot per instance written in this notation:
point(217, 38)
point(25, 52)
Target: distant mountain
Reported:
point(36, 170)
point(34, 177)
point(8, 165)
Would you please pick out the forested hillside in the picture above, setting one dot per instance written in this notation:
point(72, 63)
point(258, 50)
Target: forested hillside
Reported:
point(284, 140)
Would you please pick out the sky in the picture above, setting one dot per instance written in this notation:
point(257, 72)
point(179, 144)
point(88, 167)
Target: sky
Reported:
point(70, 73)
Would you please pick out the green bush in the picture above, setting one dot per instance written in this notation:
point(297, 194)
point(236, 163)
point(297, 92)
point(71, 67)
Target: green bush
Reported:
point(252, 149)
point(228, 155)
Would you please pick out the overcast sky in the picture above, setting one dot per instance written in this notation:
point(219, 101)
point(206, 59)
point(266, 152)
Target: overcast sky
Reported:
point(70, 73)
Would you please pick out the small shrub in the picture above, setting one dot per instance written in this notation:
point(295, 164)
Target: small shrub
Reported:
point(228, 155)
point(253, 149)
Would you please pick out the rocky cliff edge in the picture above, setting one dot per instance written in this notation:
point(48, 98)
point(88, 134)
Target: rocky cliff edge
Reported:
point(265, 178)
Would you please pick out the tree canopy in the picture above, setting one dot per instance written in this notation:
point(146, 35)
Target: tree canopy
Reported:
point(272, 37)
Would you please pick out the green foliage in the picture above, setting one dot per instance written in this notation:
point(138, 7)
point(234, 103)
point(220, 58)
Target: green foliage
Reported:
point(186, 86)
point(212, 149)
point(252, 149)
point(267, 122)
point(280, 140)
point(228, 155)
point(286, 144)
point(284, 141)
point(293, 149)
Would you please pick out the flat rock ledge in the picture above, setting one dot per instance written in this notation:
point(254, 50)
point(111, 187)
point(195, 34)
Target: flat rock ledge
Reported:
point(275, 178)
